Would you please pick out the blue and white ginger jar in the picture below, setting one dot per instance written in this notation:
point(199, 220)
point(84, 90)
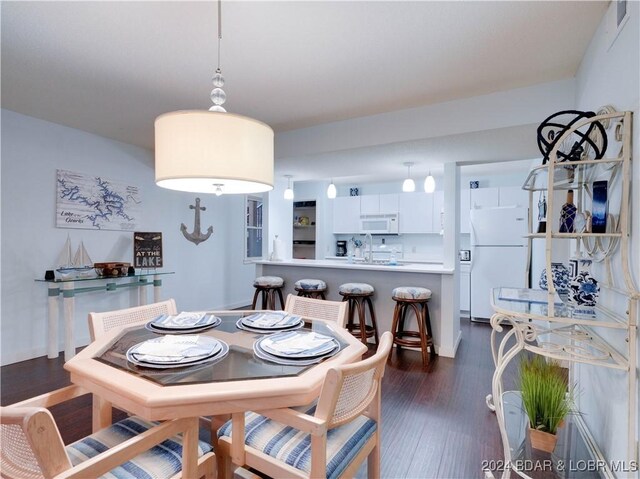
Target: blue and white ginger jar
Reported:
point(584, 288)
point(560, 275)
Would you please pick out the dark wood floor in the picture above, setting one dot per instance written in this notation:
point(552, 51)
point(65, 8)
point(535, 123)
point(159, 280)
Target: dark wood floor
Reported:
point(435, 421)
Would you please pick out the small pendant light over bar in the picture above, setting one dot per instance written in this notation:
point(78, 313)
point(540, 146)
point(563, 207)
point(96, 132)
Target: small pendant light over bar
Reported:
point(429, 183)
point(331, 191)
point(288, 193)
point(213, 151)
point(409, 185)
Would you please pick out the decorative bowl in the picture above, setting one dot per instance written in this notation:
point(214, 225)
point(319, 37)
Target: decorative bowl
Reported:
point(111, 269)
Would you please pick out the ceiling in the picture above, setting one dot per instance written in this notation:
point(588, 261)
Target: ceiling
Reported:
point(111, 68)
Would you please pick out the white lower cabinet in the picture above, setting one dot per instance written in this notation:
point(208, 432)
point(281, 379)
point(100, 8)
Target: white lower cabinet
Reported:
point(465, 289)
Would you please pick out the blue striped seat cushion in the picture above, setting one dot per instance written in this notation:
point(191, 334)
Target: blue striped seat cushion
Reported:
point(293, 447)
point(160, 462)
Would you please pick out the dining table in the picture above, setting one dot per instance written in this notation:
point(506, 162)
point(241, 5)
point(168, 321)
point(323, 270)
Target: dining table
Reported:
point(240, 381)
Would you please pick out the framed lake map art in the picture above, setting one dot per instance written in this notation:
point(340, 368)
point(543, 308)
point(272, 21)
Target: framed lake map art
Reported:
point(95, 202)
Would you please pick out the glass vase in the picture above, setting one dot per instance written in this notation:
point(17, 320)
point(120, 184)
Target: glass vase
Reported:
point(560, 276)
point(568, 215)
point(583, 288)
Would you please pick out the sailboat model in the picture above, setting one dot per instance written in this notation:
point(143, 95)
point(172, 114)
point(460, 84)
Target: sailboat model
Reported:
point(80, 262)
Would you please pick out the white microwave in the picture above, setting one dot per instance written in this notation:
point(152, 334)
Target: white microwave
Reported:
point(379, 224)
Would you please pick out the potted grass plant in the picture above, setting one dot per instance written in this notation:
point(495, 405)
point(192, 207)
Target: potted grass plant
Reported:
point(546, 399)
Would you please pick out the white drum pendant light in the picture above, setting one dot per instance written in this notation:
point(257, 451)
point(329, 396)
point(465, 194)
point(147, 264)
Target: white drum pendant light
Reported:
point(429, 184)
point(213, 151)
point(408, 185)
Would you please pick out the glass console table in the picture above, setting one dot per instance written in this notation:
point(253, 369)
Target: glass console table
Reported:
point(64, 291)
point(575, 455)
point(566, 335)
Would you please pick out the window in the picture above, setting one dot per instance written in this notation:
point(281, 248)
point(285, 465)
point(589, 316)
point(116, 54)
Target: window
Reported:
point(253, 227)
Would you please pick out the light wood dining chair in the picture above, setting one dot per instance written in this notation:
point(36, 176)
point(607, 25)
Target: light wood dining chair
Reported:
point(32, 447)
point(313, 308)
point(100, 323)
point(328, 439)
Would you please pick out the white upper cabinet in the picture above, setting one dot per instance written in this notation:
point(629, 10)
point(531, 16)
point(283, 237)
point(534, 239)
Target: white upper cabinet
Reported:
point(513, 196)
point(370, 204)
point(420, 212)
point(415, 212)
point(465, 206)
point(389, 204)
point(346, 214)
point(379, 204)
point(485, 197)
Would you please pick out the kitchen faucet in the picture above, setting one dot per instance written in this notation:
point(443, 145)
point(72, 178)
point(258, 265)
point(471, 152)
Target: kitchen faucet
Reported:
point(369, 240)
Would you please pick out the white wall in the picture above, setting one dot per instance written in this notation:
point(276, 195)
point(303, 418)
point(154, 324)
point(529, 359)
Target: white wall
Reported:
point(210, 275)
point(279, 220)
point(521, 106)
point(610, 76)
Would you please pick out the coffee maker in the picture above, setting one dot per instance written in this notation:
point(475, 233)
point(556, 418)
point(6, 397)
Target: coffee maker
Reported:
point(341, 248)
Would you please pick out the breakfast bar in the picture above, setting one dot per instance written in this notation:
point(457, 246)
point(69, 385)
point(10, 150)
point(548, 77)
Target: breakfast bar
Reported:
point(384, 278)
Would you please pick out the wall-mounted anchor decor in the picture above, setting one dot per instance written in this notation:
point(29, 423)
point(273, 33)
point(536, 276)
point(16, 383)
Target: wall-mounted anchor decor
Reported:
point(196, 237)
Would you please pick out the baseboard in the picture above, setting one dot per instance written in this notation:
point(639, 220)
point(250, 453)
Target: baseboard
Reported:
point(236, 305)
point(25, 355)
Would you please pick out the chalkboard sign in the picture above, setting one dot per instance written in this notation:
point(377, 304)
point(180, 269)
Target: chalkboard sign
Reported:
point(147, 250)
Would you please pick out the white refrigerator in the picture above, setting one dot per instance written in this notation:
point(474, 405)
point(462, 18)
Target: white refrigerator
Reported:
point(498, 254)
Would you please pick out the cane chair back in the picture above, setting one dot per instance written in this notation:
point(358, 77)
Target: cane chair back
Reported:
point(18, 458)
point(296, 443)
point(32, 447)
point(312, 308)
point(100, 323)
point(349, 390)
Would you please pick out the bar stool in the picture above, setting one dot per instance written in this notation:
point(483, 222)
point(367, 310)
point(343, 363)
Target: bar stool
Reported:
point(311, 288)
point(416, 299)
point(268, 286)
point(358, 295)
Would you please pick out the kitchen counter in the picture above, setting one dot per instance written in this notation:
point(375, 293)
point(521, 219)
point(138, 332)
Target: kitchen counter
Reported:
point(433, 268)
point(384, 278)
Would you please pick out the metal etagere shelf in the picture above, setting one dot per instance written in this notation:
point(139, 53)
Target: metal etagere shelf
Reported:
point(561, 331)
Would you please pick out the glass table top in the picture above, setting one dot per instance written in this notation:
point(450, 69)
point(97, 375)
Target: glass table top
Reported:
point(240, 364)
point(533, 303)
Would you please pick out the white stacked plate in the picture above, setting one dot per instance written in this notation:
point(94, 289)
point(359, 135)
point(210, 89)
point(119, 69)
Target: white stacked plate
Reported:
point(296, 348)
point(183, 323)
point(269, 322)
point(177, 352)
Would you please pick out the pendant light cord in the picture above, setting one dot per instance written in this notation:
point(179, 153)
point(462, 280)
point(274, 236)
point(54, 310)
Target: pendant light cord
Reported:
point(219, 31)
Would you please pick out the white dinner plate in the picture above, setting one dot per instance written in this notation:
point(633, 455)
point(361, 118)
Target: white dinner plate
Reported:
point(262, 354)
point(220, 349)
point(240, 325)
point(281, 320)
point(204, 321)
point(152, 327)
point(266, 344)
